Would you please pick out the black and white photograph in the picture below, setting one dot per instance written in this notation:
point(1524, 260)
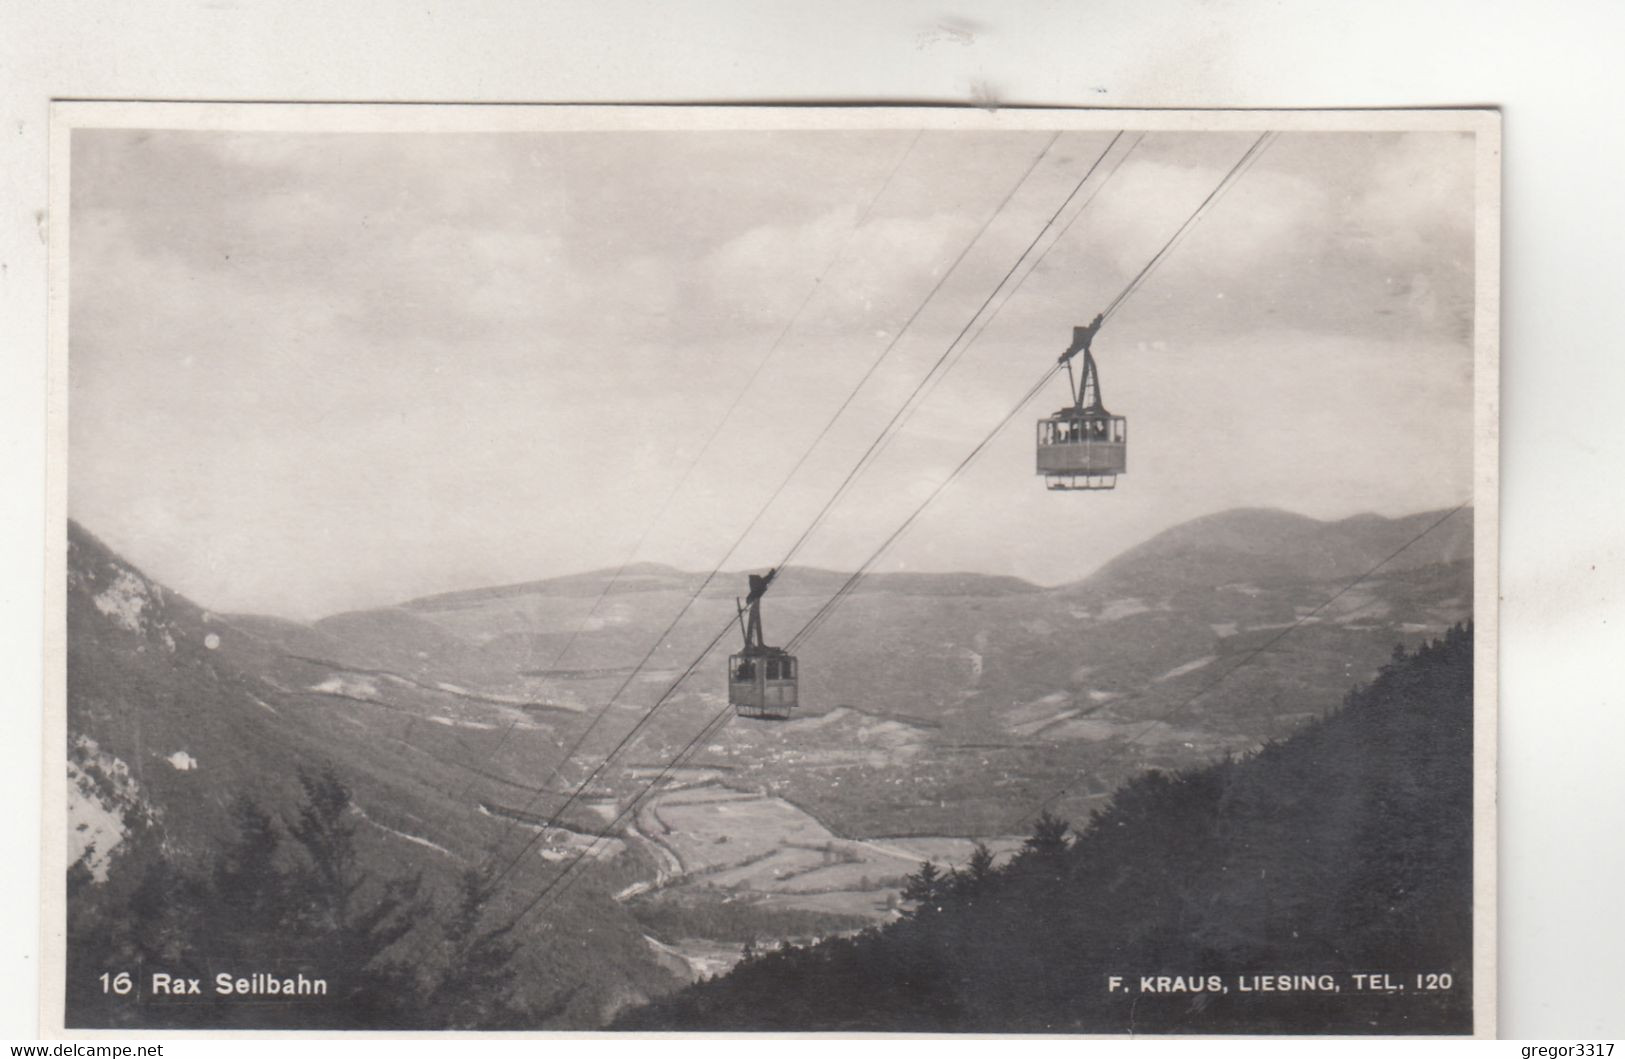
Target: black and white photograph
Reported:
point(774, 570)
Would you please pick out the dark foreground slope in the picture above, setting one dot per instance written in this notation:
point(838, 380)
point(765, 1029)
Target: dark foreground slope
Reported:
point(1344, 851)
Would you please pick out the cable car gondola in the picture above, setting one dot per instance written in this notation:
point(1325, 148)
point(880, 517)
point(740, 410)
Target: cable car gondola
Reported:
point(1083, 446)
point(761, 679)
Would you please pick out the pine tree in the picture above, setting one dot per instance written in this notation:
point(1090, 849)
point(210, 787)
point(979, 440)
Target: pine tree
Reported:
point(250, 906)
point(980, 868)
point(351, 920)
point(474, 991)
point(1049, 836)
point(924, 885)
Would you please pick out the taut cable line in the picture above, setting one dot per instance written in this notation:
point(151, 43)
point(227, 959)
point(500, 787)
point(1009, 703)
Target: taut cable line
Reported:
point(682, 480)
point(761, 512)
point(852, 474)
point(715, 725)
point(718, 722)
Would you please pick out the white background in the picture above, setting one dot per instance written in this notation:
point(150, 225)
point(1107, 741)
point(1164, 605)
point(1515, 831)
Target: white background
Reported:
point(1551, 67)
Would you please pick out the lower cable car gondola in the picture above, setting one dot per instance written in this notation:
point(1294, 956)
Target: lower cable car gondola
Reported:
point(1082, 446)
point(761, 679)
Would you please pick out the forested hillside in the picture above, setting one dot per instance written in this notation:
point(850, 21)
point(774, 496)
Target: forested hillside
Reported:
point(286, 927)
point(1343, 851)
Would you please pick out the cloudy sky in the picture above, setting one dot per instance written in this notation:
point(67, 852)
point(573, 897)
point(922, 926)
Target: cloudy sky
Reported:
point(317, 372)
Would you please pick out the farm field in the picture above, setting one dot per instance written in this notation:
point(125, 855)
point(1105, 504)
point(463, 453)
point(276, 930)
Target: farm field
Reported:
point(732, 845)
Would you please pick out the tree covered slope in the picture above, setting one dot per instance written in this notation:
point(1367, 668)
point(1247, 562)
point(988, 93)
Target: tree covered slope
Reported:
point(1343, 851)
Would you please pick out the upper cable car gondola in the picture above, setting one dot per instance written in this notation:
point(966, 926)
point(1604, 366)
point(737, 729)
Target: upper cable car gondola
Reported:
point(1083, 446)
point(761, 679)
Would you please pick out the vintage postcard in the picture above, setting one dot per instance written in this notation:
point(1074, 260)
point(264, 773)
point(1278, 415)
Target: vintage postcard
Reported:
point(779, 570)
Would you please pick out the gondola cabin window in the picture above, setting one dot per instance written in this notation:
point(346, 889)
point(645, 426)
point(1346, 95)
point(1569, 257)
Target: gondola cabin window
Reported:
point(775, 669)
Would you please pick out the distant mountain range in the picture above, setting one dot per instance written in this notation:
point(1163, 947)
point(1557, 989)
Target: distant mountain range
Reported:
point(986, 693)
point(1268, 544)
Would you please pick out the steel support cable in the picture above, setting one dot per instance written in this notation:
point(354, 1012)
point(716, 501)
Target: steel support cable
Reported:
point(1235, 171)
point(1254, 654)
point(849, 586)
point(875, 364)
point(880, 440)
point(727, 415)
point(895, 427)
point(915, 315)
point(1245, 166)
point(762, 511)
point(672, 494)
point(1061, 235)
point(721, 719)
point(603, 763)
point(1249, 658)
point(561, 882)
point(598, 770)
point(1230, 177)
point(491, 886)
point(866, 458)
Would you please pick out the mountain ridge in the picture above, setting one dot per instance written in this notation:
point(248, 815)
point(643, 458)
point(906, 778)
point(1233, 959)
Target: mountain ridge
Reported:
point(1243, 542)
point(1247, 530)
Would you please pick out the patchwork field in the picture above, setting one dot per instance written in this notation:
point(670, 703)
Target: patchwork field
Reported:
point(739, 845)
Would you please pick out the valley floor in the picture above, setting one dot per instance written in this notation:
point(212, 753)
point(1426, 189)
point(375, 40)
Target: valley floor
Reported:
point(727, 849)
